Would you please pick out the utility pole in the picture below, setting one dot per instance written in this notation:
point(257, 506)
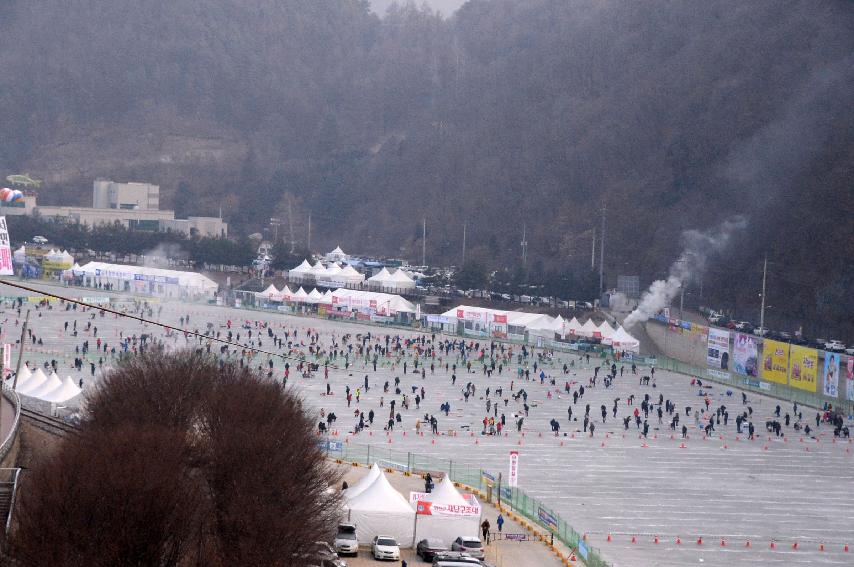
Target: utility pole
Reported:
point(593, 253)
point(525, 248)
point(464, 242)
point(602, 254)
point(681, 299)
point(309, 232)
point(424, 242)
point(21, 350)
point(291, 223)
point(762, 310)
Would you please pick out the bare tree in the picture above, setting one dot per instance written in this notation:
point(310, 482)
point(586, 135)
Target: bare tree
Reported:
point(181, 461)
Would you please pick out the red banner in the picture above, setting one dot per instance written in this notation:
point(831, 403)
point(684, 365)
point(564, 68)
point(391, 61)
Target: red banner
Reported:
point(461, 314)
point(500, 318)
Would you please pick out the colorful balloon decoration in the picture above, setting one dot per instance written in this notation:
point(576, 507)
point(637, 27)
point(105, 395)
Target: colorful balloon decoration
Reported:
point(10, 195)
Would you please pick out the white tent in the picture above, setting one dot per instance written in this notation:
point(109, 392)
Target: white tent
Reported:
point(65, 392)
point(52, 383)
point(444, 526)
point(573, 326)
point(23, 377)
point(373, 474)
point(381, 510)
point(588, 329)
point(314, 297)
point(36, 380)
point(300, 271)
point(607, 331)
point(299, 296)
point(327, 298)
point(622, 340)
point(270, 294)
point(381, 278)
point(401, 280)
point(147, 280)
point(348, 276)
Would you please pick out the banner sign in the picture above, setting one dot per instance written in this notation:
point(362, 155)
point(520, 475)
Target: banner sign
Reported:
point(849, 379)
point(5, 250)
point(516, 537)
point(513, 477)
point(775, 361)
point(745, 355)
point(546, 518)
point(499, 318)
point(426, 508)
point(718, 354)
point(7, 358)
point(803, 368)
point(831, 374)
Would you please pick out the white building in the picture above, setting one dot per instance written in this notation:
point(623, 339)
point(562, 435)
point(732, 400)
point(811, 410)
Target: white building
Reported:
point(148, 281)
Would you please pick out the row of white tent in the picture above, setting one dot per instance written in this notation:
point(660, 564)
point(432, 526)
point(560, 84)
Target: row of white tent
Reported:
point(388, 280)
point(335, 274)
point(540, 324)
point(383, 303)
point(56, 256)
point(48, 388)
point(376, 508)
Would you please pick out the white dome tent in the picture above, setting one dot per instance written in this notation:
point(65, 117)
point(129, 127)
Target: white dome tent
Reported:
point(381, 510)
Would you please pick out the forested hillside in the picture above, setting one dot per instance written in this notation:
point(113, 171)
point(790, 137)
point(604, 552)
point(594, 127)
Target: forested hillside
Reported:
point(676, 115)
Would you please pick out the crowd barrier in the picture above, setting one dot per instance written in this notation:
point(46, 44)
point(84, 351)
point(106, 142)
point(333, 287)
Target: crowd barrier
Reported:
point(473, 477)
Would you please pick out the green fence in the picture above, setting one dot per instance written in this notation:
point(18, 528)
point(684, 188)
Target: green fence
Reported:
point(475, 477)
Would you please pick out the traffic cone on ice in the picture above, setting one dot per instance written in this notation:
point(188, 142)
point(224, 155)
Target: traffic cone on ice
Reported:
point(747, 543)
point(723, 542)
point(678, 540)
point(634, 539)
point(773, 545)
point(609, 538)
point(795, 546)
point(655, 540)
point(700, 540)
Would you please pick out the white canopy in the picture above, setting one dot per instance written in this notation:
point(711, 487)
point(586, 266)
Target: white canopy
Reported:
point(65, 392)
point(348, 275)
point(573, 326)
point(382, 303)
point(381, 510)
point(607, 331)
point(300, 295)
point(190, 281)
point(271, 293)
point(402, 279)
point(367, 480)
point(52, 383)
point(382, 277)
point(36, 380)
point(445, 527)
point(588, 329)
point(622, 340)
point(314, 297)
point(300, 271)
point(23, 377)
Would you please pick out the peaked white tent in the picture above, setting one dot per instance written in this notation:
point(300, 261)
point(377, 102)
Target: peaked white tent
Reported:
point(299, 296)
point(373, 474)
point(65, 392)
point(36, 380)
point(314, 296)
point(300, 271)
point(573, 326)
point(348, 276)
point(607, 331)
point(381, 278)
point(381, 510)
point(286, 294)
point(52, 383)
point(401, 280)
point(270, 294)
point(588, 329)
point(446, 527)
point(622, 340)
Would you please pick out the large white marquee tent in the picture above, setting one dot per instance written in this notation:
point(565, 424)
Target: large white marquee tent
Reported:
point(447, 527)
point(148, 281)
point(379, 509)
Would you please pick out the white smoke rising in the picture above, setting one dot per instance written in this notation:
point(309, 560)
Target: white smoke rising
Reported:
point(698, 247)
point(160, 255)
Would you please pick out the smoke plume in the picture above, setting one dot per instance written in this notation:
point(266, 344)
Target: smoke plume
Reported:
point(698, 246)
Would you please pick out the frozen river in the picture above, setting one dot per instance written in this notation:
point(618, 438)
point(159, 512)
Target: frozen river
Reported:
point(725, 487)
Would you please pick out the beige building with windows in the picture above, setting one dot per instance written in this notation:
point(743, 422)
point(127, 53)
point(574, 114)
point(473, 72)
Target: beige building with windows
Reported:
point(134, 205)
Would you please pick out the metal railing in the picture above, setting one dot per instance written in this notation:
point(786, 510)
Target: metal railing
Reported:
point(15, 400)
point(474, 477)
point(9, 477)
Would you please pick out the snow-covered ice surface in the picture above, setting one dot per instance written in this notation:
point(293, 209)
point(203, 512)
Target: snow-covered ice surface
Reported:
point(725, 487)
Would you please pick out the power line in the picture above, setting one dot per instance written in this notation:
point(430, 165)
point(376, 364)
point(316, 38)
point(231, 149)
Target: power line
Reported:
point(144, 320)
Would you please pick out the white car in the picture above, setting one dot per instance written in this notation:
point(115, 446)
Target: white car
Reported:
point(834, 345)
point(469, 544)
point(850, 350)
point(385, 547)
point(345, 541)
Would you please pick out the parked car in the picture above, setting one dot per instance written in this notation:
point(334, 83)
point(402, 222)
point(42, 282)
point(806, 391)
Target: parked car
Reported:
point(834, 345)
point(39, 240)
point(744, 326)
point(455, 559)
point(385, 547)
point(760, 332)
point(470, 544)
point(429, 547)
point(818, 343)
point(345, 541)
point(850, 350)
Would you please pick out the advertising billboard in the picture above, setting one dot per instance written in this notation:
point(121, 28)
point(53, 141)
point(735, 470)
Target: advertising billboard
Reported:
point(745, 355)
point(718, 353)
point(5, 250)
point(803, 368)
point(831, 374)
point(775, 361)
point(849, 379)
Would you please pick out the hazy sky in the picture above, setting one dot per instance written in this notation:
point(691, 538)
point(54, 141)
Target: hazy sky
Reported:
point(447, 7)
